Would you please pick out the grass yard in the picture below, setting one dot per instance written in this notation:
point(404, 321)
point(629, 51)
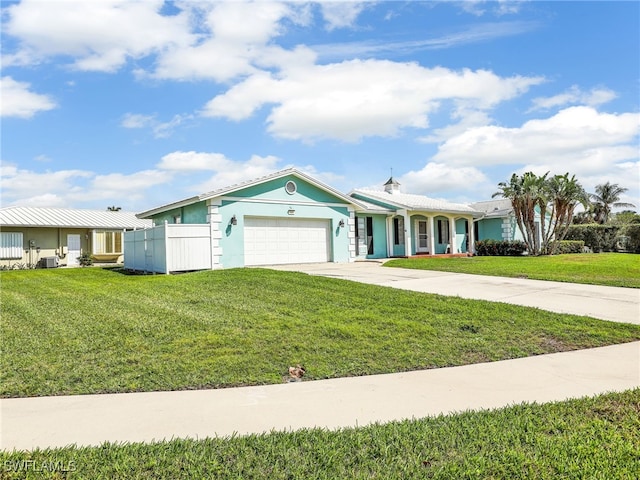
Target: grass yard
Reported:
point(79, 331)
point(595, 438)
point(613, 269)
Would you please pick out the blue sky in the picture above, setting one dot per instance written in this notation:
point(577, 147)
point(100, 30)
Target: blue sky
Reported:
point(138, 104)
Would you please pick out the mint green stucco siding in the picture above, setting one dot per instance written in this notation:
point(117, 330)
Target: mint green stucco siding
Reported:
point(269, 200)
point(194, 213)
point(232, 241)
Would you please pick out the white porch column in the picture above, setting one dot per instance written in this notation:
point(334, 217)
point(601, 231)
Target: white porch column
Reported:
point(432, 236)
point(407, 232)
point(452, 235)
point(472, 236)
point(389, 225)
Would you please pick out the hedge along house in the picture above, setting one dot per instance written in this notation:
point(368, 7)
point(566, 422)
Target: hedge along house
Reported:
point(30, 234)
point(285, 217)
point(290, 217)
point(407, 225)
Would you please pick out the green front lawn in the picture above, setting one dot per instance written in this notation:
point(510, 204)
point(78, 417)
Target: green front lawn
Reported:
point(595, 438)
point(77, 331)
point(614, 269)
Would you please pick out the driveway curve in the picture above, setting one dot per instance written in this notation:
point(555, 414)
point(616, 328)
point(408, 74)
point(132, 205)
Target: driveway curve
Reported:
point(615, 304)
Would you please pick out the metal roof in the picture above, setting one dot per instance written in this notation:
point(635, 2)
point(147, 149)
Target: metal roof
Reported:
point(415, 202)
point(70, 218)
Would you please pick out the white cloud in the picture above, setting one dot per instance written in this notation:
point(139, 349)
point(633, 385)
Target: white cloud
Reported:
point(21, 186)
point(343, 101)
point(159, 129)
point(101, 36)
point(255, 167)
point(18, 101)
point(439, 177)
point(574, 96)
point(236, 39)
point(195, 161)
point(137, 120)
point(75, 188)
point(569, 136)
point(580, 140)
point(341, 14)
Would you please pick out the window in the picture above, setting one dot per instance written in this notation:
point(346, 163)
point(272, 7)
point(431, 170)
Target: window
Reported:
point(11, 245)
point(443, 231)
point(398, 231)
point(107, 242)
point(291, 187)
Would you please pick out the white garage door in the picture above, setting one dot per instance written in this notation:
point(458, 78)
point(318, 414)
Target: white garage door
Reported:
point(274, 241)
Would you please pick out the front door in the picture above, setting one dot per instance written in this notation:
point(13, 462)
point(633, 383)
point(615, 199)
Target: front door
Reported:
point(422, 243)
point(73, 249)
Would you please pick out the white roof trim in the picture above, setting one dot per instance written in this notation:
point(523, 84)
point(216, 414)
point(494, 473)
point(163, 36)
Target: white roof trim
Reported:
point(250, 183)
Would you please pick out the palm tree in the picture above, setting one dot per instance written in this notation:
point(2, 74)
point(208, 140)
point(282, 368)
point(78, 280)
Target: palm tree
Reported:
point(525, 193)
point(606, 197)
point(550, 201)
point(114, 209)
point(564, 194)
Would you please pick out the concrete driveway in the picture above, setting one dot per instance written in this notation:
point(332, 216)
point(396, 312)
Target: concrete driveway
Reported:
point(607, 303)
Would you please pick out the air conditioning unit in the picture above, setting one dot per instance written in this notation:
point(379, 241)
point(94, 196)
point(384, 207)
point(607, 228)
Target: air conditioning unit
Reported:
point(49, 262)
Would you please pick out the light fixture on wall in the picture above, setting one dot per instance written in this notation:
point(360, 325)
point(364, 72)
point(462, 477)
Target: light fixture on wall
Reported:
point(341, 224)
point(291, 211)
point(233, 221)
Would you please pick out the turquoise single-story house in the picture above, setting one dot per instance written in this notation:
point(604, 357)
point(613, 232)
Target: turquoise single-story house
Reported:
point(291, 217)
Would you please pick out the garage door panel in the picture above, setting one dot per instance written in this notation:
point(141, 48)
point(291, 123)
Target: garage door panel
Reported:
point(272, 241)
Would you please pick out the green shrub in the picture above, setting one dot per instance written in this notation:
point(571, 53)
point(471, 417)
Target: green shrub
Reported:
point(85, 260)
point(599, 238)
point(632, 234)
point(501, 248)
point(569, 246)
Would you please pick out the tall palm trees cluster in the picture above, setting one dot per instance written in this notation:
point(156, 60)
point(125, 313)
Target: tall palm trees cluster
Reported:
point(544, 206)
point(607, 196)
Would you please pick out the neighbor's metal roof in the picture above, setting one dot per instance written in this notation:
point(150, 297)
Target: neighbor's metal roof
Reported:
point(68, 217)
point(415, 202)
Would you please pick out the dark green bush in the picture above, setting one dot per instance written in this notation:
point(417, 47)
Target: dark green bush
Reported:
point(599, 238)
point(501, 248)
point(85, 260)
point(632, 234)
point(569, 246)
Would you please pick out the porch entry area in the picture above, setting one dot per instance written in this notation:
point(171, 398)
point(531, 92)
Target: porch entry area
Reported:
point(430, 235)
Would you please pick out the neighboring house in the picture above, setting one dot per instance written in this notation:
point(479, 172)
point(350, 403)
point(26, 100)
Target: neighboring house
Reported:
point(290, 217)
point(29, 234)
point(499, 221)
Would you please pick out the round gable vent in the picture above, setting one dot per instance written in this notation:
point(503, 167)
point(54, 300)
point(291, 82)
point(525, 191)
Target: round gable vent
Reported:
point(291, 187)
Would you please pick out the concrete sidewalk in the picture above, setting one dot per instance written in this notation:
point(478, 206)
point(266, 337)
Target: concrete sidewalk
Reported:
point(42, 422)
point(607, 303)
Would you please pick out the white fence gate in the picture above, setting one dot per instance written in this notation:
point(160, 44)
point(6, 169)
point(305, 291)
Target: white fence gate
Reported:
point(170, 248)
